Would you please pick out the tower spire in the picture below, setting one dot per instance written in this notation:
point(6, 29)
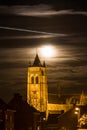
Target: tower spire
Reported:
point(44, 64)
point(37, 62)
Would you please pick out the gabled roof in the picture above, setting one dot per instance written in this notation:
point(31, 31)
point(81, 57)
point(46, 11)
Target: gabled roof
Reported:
point(2, 104)
point(37, 62)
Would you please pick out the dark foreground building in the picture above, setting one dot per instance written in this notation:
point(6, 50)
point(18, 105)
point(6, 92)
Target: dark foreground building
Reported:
point(6, 116)
point(26, 117)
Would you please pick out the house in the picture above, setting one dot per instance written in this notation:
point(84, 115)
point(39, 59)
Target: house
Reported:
point(6, 116)
point(26, 117)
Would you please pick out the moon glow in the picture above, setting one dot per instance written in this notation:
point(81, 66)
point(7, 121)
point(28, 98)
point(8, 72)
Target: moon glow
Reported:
point(47, 51)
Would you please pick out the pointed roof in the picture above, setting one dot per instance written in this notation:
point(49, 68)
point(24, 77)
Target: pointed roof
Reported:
point(37, 62)
point(2, 104)
point(44, 65)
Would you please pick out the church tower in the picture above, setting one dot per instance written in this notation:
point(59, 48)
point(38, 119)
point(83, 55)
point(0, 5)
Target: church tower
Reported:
point(37, 90)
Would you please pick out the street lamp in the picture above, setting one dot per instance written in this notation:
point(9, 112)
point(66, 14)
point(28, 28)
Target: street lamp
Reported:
point(77, 112)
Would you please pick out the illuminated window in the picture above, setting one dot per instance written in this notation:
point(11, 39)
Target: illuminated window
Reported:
point(32, 80)
point(36, 80)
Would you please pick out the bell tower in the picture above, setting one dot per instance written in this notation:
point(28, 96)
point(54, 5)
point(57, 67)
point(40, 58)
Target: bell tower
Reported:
point(37, 90)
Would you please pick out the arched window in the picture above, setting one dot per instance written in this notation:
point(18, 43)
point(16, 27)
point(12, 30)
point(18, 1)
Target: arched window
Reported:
point(32, 80)
point(37, 80)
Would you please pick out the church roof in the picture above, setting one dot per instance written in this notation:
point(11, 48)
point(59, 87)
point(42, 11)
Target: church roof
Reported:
point(37, 62)
point(55, 99)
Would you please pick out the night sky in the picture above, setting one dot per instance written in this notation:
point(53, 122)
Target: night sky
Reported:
point(26, 25)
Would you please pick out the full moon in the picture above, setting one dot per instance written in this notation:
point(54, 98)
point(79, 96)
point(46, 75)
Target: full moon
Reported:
point(47, 51)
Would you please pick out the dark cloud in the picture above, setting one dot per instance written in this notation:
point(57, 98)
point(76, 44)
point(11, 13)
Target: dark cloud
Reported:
point(18, 46)
point(41, 10)
point(3, 65)
point(58, 4)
